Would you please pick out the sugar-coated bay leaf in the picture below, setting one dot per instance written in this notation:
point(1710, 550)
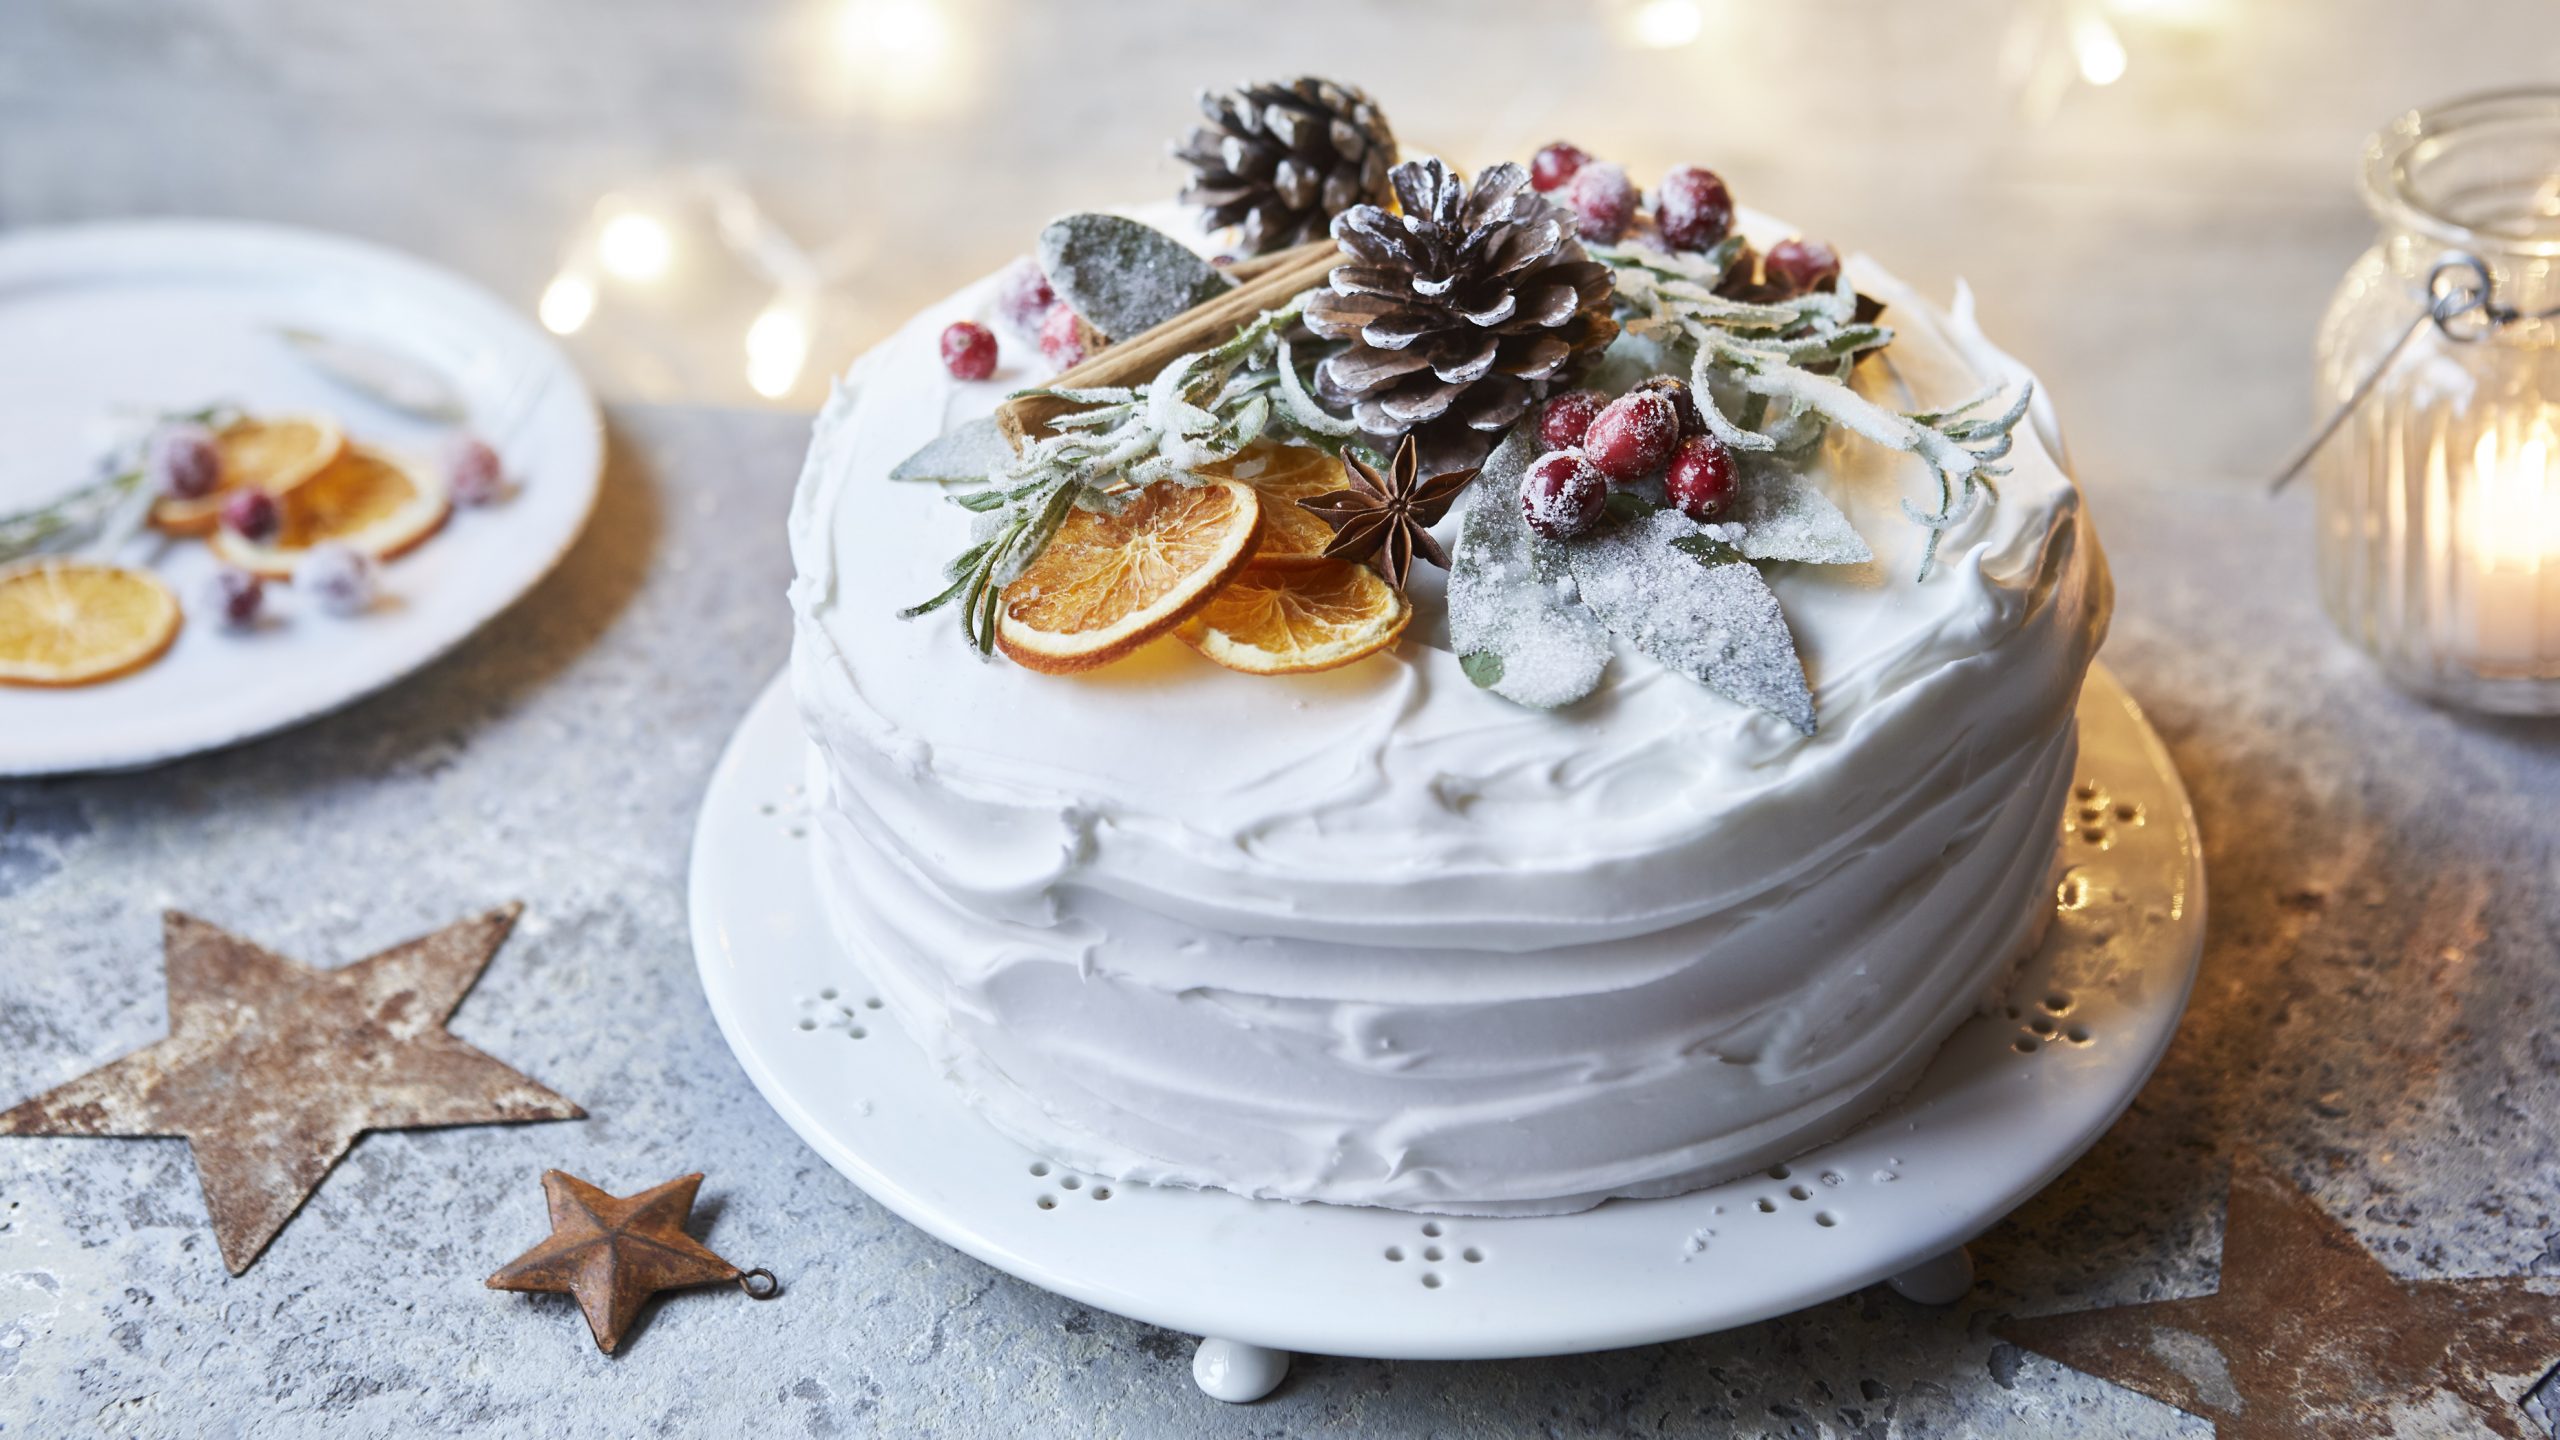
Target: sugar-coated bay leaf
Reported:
point(969, 452)
point(1516, 633)
point(1715, 621)
point(1124, 277)
point(1785, 517)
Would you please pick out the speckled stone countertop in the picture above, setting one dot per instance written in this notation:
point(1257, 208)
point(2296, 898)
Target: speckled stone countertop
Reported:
point(2379, 1014)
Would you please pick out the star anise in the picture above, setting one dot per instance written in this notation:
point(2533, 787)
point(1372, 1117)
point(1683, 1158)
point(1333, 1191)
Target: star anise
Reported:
point(1387, 519)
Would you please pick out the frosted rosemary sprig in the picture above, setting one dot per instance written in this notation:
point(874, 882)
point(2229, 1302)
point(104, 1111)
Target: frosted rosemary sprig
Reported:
point(76, 516)
point(107, 508)
point(1785, 365)
point(1202, 408)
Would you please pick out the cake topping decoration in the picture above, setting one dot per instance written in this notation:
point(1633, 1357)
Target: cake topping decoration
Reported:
point(1279, 161)
point(1123, 277)
point(1446, 322)
point(1385, 518)
point(1456, 315)
point(1685, 596)
point(1512, 617)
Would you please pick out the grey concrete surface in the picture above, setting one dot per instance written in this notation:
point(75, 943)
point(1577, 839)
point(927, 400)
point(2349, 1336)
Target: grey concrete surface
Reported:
point(2377, 1014)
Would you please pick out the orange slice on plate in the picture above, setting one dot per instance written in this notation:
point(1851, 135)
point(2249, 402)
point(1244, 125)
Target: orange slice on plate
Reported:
point(1295, 622)
point(1108, 584)
point(276, 456)
point(1292, 537)
point(366, 500)
point(73, 622)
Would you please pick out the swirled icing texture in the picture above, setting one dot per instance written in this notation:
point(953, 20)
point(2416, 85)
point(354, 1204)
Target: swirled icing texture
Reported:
point(1377, 937)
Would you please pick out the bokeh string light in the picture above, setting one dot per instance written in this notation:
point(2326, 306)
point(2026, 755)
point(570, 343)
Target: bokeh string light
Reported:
point(635, 241)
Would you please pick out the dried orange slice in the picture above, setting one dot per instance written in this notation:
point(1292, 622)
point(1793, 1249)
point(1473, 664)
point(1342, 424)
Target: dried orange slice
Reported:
point(1293, 622)
point(275, 455)
point(73, 622)
point(1108, 584)
point(366, 500)
point(1292, 537)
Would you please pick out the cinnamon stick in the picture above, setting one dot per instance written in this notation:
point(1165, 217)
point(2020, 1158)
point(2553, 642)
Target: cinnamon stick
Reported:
point(1142, 356)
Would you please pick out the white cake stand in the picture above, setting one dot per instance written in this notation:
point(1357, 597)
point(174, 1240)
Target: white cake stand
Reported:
point(2015, 1096)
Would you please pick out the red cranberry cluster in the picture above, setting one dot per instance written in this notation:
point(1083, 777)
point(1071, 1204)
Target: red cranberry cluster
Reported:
point(1028, 306)
point(1592, 443)
point(1692, 210)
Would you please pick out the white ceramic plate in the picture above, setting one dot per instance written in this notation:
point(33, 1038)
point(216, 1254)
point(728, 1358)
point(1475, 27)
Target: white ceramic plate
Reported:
point(2014, 1097)
point(103, 321)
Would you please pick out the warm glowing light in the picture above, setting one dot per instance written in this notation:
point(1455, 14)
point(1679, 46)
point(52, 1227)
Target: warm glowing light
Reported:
point(633, 246)
point(2183, 13)
point(567, 302)
point(777, 349)
point(887, 33)
point(1666, 24)
point(2515, 508)
point(2097, 48)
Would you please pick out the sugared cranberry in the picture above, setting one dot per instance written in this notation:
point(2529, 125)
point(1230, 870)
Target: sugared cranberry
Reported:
point(1567, 418)
point(1065, 338)
point(339, 576)
point(1603, 201)
point(235, 595)
point(252, 514)
point(1024, 298)
point(1555, 164)
point(1701, 478)
point(1563, 494)
point(1799, 267)
point(472, 467)
point(1634, 436)
point(969, 351)
point(1683, 404)
point(1692, 208)
point(182, 461)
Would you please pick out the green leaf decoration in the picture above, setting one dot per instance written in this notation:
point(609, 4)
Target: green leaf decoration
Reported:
point(1515, 631)
point(1711, 619)
point(1124, 277)
point(971, 452)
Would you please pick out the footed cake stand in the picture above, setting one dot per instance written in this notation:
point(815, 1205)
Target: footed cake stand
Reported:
point(2014, 1097)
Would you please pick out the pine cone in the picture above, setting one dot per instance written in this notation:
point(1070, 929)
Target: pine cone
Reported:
point(1461, 313)
point(1281, 160)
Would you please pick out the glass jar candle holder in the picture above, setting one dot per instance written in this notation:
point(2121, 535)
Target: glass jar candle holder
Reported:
point(2439, 499)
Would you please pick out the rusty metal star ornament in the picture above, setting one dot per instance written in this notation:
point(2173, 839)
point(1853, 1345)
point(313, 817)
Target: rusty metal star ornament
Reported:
point(614, 1253)
point(271, 1069)
point(2309, 1336)
point(1387, 519)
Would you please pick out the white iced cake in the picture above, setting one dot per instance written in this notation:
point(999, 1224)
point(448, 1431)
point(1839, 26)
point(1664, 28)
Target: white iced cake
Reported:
point(1378, 937)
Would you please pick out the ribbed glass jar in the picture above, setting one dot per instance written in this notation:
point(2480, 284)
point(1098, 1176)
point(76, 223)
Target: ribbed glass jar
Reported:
point(2439, 500)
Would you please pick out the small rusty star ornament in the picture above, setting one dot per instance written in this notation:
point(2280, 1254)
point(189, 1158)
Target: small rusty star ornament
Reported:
point(613, 1253)
point(272, 1069)
point(2309, 1337)
point(1387, 519)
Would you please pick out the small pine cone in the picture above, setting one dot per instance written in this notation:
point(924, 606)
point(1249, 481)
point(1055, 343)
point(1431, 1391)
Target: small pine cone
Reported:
point(1461, 313)
point(1279, 161)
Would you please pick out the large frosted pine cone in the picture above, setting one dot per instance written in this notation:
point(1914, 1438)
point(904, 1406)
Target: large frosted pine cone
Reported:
point(1461, 313)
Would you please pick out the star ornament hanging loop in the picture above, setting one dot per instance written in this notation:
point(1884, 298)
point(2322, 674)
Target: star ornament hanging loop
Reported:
point(1385, 518)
